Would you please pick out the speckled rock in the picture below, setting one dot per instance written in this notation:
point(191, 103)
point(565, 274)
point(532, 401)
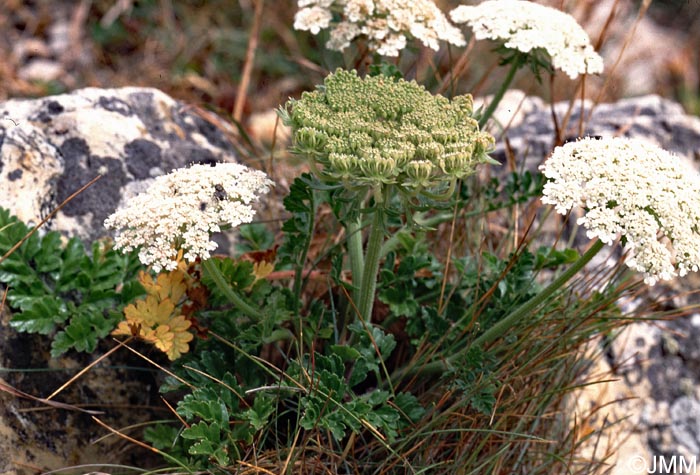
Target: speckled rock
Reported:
point(51, 147)
point(531, 130)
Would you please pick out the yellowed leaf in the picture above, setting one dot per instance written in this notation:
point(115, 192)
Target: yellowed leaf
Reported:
point(171, 285)
point(181, 337)
point(171, 338)
point(161, 337)
point(154, 318)
point(149, 312)
point(262, 269)
point(123, 329)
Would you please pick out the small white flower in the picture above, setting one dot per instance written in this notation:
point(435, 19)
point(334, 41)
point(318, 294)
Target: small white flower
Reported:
point(181, 210)
point(390, 45)
point(634, 191)
point(522, 25)
point(341, 36)
point(387, 24)
point(312, 19)
point(358, 10)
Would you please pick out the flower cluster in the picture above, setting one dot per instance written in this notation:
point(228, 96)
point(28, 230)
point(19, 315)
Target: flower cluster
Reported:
point(375, 131)
point(385, 23)
point(182, 209)
point(530, 28)
point(632, 190)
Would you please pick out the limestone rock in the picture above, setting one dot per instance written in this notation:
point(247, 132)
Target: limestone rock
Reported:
point(531, 133)
point(51, 147)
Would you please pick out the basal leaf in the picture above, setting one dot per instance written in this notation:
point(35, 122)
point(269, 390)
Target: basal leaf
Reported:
point(42, 317)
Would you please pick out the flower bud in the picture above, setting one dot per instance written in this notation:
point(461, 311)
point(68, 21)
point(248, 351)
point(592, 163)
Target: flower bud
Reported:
point(419, 173)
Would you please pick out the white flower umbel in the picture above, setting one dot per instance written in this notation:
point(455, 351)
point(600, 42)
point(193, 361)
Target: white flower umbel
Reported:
point(634, 191)
point(526, 26)
point(181, 210)
point(386, 24)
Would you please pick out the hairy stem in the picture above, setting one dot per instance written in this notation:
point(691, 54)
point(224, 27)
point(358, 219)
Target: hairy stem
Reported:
point(357, 260)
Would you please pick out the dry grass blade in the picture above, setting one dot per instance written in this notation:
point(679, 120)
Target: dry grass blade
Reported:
point(630, 36)
point(126, 437)
point(58, 405)
point(248, 62)
point(147, 359)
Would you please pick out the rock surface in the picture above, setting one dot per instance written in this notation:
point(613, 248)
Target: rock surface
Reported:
point(653, 367)
point(49, 148)
point(531, 131)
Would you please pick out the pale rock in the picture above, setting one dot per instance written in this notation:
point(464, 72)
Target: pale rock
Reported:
point(51, 147)
point(43, 70)
point(652, 118)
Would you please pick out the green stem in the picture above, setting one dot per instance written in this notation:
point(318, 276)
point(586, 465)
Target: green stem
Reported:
point(369, 274)
point(515, 65)
point(299, 266)
point(210, 268)
point(357, 260)
point(438, 367)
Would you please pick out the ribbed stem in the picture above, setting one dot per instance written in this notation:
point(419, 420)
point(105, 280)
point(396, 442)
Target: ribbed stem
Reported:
point(369, 274)
point(213, 271)
point(357, 260)
point(504, 324)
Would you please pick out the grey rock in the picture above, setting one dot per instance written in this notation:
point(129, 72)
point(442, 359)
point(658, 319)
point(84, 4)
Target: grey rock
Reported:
point(531, 136)
point(685, 423)
point(50, 147)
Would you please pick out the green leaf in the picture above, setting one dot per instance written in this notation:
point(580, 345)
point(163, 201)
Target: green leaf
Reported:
point(238, 274)
point(56, 287)
point(161, 436)
point(42, 317)
point(204, 403)
point(48, 259)
point(83, 332)
point(400, 300)
point(209, 443)
point(301, 203)
point(203, 431)
point(385, 69)
point(369, 360)
point(409, 406)
point(254, 237)
point(547, 257)
point(347, 353)
point(259, 414)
